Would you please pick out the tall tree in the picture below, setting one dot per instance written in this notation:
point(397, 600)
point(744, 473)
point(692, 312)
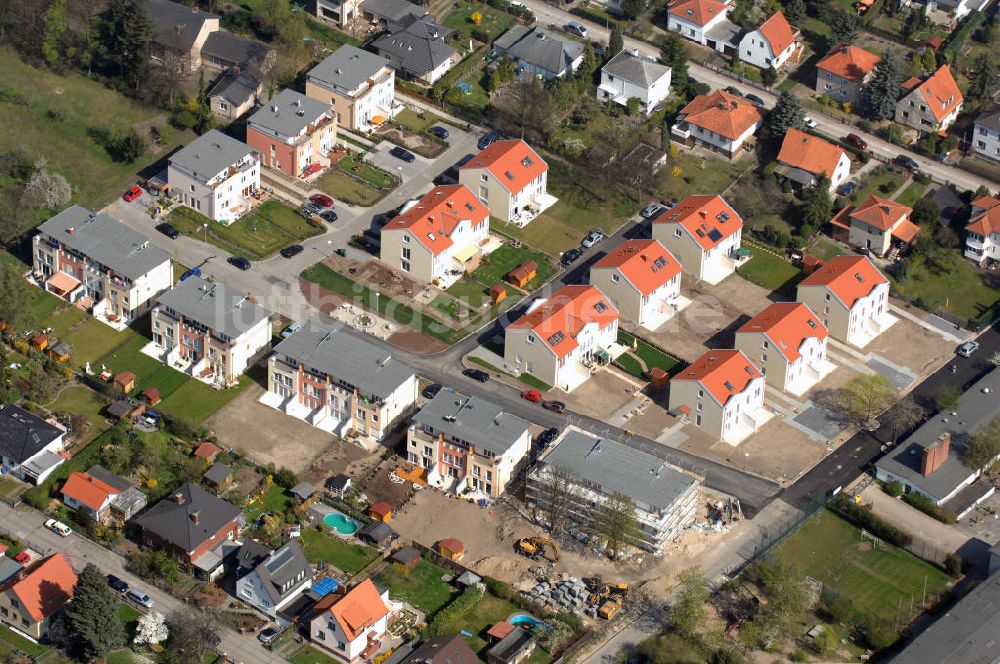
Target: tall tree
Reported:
point(903, 416)
point(129, 38)
point(843, 26)
point(865, 396)
point(982, 79)
point(191, 634)
point(673, 53)
point(54, 36)
point(93, 614)
point(585, 72)
point(203, 113)
point(617, 523)
point(795, 11)
point(787, 112)
point(633, 9)
point(819, 205)
point(878, 96)
point(984, 446)
point(616, 42)
point(690, 607)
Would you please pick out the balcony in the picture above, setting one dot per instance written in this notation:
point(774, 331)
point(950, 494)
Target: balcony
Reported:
point(681, 130)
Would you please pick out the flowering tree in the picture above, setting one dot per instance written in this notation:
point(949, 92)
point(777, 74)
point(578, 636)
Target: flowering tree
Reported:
point(476, 17)
point(151, 630)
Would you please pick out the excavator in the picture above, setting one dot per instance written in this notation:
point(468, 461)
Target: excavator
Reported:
point(607, 597)
point(535, 547)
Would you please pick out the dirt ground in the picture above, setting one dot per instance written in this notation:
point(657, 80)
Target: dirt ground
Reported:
point(378, 487)
point(778, 450)
point(653, 421)
point(708, 322)
point(267, 435)
point(912, 346)
point(748, 298)
point(601, 396)
point(347, 458)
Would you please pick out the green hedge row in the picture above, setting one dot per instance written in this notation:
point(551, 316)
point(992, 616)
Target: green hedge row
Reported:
point(863, 517)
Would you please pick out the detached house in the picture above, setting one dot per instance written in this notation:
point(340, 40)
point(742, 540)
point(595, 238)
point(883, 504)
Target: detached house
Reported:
point(351, 626)
point(29, 446)
point(630, 75)
point(851, 298)
point(844, 71)
point(540, 52)
point(930, 105)
point(291, 132)
point(986, 134)
point(340, 383)
point(100, 264)
point(771, 44)
point(879, 225)
point(510, 179)
point(360, 86)
point(718, 121)
point(442, 233)
point(215, 175)
point(30, 600)
point(270, 580)
point(102, 495)
point(982, 234)
point(788, 343)
point(560, 338)
point(721, 392)
point(704, 22)
point(210, 331)
point(805, 158)
point(704, 233)
point(643, 280)
point(467, 443)
point(416, 48)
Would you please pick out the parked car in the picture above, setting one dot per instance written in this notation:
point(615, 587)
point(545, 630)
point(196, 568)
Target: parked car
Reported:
point(476, 374)
point(117, 584)
point(439, 131)
point(755, 100)
point(431, 391)
point(168, 230)
point(239, 262)
point(22, 557)
point(570, 255)
point(857, 141)
point(488, 140)
point(546, 437)
point(132, 194)
point(809, 122)
point(292, 250)
point(534, 396)
point(846, 189)
point(59, 528)
point(140, 598)
point(575, 28)
point(321, 200)
point(312, 208)
point(907, 162)
point(267, 635)
point(651, 210)
point(329, 216)
point(290, 330)
point(402, 153)
point(554, 406)
point(193, 272)
point(968, 348)
point(593, 237)
point(733, 90)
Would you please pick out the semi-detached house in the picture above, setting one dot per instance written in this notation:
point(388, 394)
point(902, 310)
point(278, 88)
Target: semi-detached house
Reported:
point(102, 495)
point(100, 264)
point(416, 47)
point(340, 383)
point(291, 132)
point(982, 233)
point(851, 298)
point(630, 75)
point(932, 104)
point(643, 280)
point(215, 175)
point(704, 233)
point(719, 121)
point(438, 238)
point(770, 45)
point(842, 73)
point(510, 179)
point(360, 86)
point(804, 159)
point(29, 446)
point(986, 134)
point(561, 339)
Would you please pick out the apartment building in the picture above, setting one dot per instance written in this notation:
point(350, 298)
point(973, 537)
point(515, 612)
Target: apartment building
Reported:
point(291, 132)
point(360, 86)
point(643, 280)
point(100, 264)
point(510, 179)
point(704, 233)
point(215, 175)
point(982, 233)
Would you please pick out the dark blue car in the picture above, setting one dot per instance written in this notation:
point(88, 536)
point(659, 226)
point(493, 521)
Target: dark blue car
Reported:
point(439, 131)
point(488, 140)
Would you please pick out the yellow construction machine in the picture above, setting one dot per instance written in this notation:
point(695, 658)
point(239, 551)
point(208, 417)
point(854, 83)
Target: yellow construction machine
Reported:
point(535, 547)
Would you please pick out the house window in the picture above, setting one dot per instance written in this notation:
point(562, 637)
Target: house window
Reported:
point(697, 420)
point(530, 339)
point(677, 232)
point(406, 253)
point(614, 278)
point(341, 645)
point(223, 106)
point(484, 177)
point(404, 265)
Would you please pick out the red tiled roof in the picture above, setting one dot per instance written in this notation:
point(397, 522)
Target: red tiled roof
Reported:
point(560, 318)
point(987, 219)
point(722, 113)
point(777, 32)
point(848, 61)
point(646, 264)
point(848, 277)
point(124, 378)
point(786, 325)
point(87, 489)
point(451, 544)
point(500, 630)
point(709, 219)
point(881, 213)
point(437, 214)
point(207, 450)
point(722, 373)
point(45, 588)
point(906, 231)
point(810, 153)
point(698, 12)
point(513, 163)
point(359, 609)
point(941, 92)
point(381, 508)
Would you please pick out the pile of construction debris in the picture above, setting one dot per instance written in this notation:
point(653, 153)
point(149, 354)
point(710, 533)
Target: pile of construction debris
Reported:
point(567, 594)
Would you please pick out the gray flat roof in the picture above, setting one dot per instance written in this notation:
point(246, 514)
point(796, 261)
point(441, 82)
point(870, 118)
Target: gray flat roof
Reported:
point(232, 49)
point(210, 154)
point(481, 423)
point(342, 355)
point(618, 468)
point(289, 113)
point(347, 67)
point(976, 408)
point(106, 240)
point(969, 632)
point(213, 304)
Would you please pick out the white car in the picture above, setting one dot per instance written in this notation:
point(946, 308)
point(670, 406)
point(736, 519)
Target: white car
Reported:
point(59, 528)
point(809, 122)
point(593, 238)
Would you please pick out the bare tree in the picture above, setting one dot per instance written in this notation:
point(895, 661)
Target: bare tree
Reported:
point(617, 523)
point(904, 415)
point(559, 490)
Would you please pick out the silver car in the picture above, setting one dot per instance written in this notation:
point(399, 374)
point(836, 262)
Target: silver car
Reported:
point(968, 348)
point(593, 238)
point(140, 598)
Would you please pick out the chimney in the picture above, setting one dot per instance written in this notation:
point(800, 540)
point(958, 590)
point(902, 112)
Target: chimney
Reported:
point(704, 214)
point(179, 498)
point(195, 517)
point(935, 454)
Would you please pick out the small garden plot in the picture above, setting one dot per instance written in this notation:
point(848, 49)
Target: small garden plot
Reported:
point(258, 235)
point(911, 194)
point(771, 272)
point(356, 183)
point(476, 20)
point(882, 182)
point(644, 358)
point(81, 400)
point(348, 556)
point(421, 586)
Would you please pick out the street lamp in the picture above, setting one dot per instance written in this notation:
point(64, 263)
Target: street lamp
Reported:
point(205, 226)
point(746, 461)
point(377, 296)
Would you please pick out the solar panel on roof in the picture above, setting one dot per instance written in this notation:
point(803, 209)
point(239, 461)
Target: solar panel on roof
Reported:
point(279, 560)
point(601, 307)
point(750, 370)
point(508, 175)
point(811, 323)
point(660, 262)
point(714, 235)
point(527, 161)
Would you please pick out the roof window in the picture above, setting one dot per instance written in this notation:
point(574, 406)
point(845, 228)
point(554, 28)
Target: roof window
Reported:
point(556, 338)
point(729, 386)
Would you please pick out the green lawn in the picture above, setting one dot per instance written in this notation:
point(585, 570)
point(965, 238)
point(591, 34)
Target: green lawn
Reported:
point(21, 643)
point(92, 340)
point(698, 175)
point(194, 401)
point(825, 249)
point(911, 194)
point(771, 272)
point(374, 176)
point(346, 555)
point(959, 288)
point(882, 182)
point(120, 657)
point(876, 580)
point(271, 227)
point(487, 612)
point(524, 377)
point(310, 655)
point(494, 22)
point(275, 499)
point(346, 189)
point(9, 488)
point(648, 354)
point(81, 400)
point(497, 265)
point(415, 123)
point(421, 586)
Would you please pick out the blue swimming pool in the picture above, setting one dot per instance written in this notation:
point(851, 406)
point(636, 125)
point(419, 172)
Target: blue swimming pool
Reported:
point(341, 523)
point(528, 621)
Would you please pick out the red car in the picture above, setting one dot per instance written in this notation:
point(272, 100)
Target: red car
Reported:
point(22, 557)
point(554, 406)
point(534, 396)
point(857, 141)
point(321, 200)
point(132, 194)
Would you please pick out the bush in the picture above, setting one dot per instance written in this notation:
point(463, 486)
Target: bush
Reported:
point(445, 618)
point(953, 564)
point(863, 517)
point(894, 489)
point(497, 588)
point(928, 507)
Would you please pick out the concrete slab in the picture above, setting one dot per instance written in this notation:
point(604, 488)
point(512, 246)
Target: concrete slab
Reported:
point(900, 378)
point(823, 422)
point(948, 327)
